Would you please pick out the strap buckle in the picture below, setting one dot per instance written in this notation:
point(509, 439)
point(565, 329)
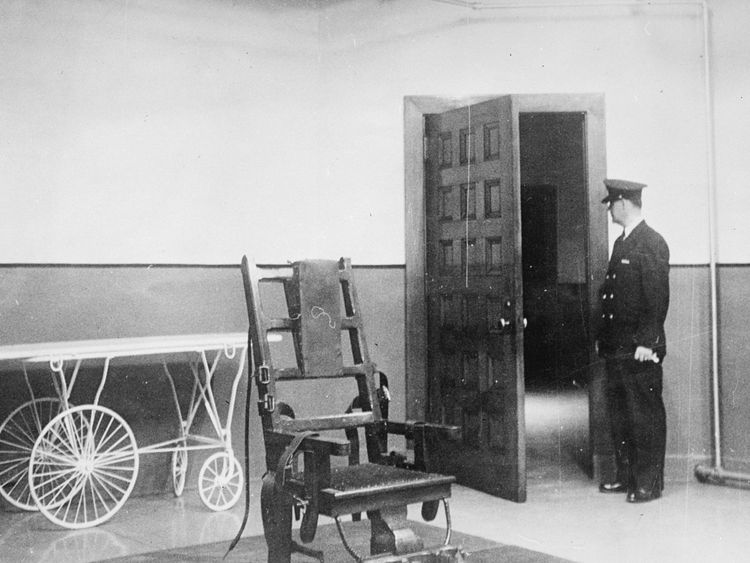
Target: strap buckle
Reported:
point(264, 375)
point(267, 403)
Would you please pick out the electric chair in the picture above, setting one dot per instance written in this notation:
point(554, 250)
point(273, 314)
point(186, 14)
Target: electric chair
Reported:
point(301, 481)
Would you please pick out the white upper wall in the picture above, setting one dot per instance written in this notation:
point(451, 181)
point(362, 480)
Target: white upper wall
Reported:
point(647, 61)
point(730, 52)
point(171, 131)
point(186, 131)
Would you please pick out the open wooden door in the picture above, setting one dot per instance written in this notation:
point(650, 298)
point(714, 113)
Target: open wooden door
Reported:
point(464, 284)
point(473, 293)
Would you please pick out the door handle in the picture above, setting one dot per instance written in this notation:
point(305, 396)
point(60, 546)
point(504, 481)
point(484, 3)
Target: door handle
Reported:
point(505, 324)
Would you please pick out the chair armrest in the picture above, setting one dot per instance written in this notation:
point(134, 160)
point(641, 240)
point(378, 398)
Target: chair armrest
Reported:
point(426, 437)
point(318, 444)
point(317, 451)
point(410, 428)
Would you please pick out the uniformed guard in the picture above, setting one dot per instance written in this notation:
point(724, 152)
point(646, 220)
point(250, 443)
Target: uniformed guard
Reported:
point(631, 339)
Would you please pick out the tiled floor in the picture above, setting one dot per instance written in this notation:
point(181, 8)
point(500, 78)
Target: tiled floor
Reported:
point(565, 515)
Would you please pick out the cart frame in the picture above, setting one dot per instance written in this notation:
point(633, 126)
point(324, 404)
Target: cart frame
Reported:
point(78, 464)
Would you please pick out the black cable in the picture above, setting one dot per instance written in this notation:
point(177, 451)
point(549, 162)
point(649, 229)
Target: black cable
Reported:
point(250, 370)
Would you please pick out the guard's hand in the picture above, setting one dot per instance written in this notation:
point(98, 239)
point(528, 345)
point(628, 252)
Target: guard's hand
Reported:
point(643, 354)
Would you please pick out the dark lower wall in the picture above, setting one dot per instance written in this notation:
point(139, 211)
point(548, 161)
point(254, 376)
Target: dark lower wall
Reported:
point(56, 303)
point(686, 371)
point(40, 304)
point(734, 365)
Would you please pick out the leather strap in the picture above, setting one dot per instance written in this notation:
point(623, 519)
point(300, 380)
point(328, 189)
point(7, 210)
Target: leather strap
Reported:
point(310, 518)
point(236, 539)
point(286, 458)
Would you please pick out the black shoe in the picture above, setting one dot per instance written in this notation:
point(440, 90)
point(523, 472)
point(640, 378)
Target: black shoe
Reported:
point(643, 495)
point(614, 487)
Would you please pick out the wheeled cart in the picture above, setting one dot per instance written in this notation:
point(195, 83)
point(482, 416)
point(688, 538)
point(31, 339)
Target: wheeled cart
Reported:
point(77, 464)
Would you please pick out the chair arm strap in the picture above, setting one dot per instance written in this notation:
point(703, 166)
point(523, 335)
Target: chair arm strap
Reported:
point(320, 444)
point(285, 461)
point(310, 502)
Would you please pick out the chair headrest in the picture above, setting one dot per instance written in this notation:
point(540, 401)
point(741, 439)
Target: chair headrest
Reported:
point(320, 317)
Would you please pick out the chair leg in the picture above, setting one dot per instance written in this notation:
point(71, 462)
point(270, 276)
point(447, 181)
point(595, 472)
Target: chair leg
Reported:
point(390, 532)
point(276, 510)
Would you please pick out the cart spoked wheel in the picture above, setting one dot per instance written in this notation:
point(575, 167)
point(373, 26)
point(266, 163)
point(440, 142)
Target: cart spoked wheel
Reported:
point(83, 466)
point(220, 481)
point(18, 433)
point(179, 468)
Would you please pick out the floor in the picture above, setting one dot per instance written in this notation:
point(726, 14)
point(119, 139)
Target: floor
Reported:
point(564, 515)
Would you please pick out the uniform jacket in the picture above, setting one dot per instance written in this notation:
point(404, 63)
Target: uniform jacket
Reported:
point(635, 294)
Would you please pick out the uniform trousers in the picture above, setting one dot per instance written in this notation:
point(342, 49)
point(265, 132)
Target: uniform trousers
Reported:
point(638, 421)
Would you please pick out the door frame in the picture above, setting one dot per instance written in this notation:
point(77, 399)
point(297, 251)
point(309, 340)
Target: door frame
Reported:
point(415, 107)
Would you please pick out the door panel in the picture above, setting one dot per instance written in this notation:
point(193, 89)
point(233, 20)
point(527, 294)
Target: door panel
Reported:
point(473, 293)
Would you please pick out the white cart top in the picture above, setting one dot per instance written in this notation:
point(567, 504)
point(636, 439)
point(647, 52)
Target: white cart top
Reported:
point(122, 347)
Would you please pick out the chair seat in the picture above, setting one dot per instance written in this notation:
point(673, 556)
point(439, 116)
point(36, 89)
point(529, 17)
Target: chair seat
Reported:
point(370, 486)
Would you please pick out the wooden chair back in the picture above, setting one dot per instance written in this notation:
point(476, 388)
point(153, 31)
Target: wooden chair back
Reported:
point(321, 316)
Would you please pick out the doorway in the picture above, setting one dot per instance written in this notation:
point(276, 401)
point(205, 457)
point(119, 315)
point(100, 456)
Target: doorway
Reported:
point(554, 248)
point(551, 167)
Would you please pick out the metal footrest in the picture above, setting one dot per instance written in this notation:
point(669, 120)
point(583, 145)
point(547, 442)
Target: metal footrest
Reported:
point(440, 554)
point(314, 553)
